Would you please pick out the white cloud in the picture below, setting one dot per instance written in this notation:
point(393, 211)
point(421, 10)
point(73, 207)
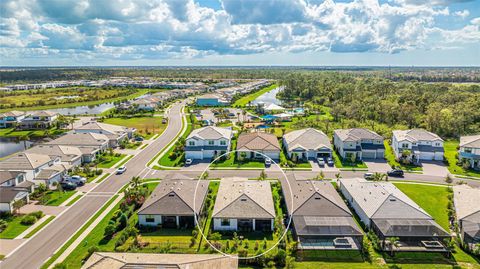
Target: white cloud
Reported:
point(463, 14)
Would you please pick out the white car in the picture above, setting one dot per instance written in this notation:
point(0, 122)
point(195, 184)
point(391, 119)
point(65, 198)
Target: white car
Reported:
point(368, 176)
point(188, 161)
point(321, 162)
point(78, 180)
point(268, 162)
point(121, 170)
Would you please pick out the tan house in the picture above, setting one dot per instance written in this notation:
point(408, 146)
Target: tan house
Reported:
point(257, 145)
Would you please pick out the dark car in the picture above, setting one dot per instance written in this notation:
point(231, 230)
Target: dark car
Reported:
point(68, 186)
point(138, 138)
point(395, 173)
point(330, 161)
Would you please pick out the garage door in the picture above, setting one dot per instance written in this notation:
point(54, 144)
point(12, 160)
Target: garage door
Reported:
point(428, 156)
point(195, 155)
point(368, 154)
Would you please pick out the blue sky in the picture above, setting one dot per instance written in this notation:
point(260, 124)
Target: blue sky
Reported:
point(239, 32)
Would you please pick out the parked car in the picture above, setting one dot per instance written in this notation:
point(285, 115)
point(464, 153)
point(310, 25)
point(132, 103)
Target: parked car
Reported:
point(395, 173)
point(368, 176)
point(268, 162)
point(164, 121)
point(121, 170)
point(188, 161)
point(68, 186)
point(77, 180)
point(321, 162)
point(330, 161)
point(139, 139)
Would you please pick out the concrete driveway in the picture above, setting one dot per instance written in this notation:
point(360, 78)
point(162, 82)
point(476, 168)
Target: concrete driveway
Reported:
point(380, 166)
point(326, 168)
point(434, 168)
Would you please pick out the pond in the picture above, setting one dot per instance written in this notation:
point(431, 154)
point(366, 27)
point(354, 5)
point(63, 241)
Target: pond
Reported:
point(269, 97)
point(82, 110)
point(12, 145)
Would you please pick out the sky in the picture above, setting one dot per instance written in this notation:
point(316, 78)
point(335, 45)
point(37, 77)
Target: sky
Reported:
point(239, 32)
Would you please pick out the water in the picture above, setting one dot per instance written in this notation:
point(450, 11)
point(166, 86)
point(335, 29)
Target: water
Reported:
point(269, 97)
point(82, 110)
point(12, 145)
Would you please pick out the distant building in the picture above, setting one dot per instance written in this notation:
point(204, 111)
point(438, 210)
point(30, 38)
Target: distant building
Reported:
point(11, 119)
point(422, 145)
point(171, 204)
point(359, 142)
point(119, 260)
point(470, 150)
point(243, 205)
point(211, 100)
point(116, 134)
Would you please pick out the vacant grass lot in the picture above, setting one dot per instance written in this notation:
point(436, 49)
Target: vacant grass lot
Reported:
point(146, 126)
point(451, 155)
point(250, 97)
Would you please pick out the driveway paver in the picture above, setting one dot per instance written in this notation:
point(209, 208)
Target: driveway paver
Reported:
point(380, 166)
point(434, 168)
point(47, 210)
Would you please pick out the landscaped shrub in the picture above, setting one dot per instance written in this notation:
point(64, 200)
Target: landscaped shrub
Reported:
point(60, 266)
point(122, 222)
point(215, 236)
point(37, 214)
point(98, 171)
point(280, 258)
point(109, 231)
point(28, 220)
point(3, 225)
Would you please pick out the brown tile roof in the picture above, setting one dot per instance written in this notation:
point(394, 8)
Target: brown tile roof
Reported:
point(258, 141)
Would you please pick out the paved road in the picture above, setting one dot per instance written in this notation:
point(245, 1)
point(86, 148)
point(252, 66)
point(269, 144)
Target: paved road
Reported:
point(43, 245)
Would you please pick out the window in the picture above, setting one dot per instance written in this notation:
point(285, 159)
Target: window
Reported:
point(404, 145)
point(468, 150)
point(210, 142)
point(225, 222)
point(149, 218)
point(191, 143)
point(437, 144)
point(223, 142)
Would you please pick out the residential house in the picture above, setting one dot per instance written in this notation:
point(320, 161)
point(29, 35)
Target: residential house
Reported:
point(470, 150)
point(9, 196)
point(307, 143)
point(389, 213)
point(13, 187)
point(243, 205)
point(116, 134)
point(172, 205)
point(11, 119)
point(358, 143)
point(208, 142)
point(320, 218)
point(90, 144)
point(422, 145)
point(42, 119)
point(145, 104)
point(257, 145)
point(467, 209)
point(211, 100)
point(69, 155)
point(38, 168)
point(123, 260)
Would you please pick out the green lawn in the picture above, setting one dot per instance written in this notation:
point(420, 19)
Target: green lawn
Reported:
point(179, 161)
point(390, 156)
point(14, 227)
point(451, 155)
point(250, 97)
point(341, 163)
point(11, 132)
point(55, 198)
point(110, 160)
point(146, 126)
point(39, 227)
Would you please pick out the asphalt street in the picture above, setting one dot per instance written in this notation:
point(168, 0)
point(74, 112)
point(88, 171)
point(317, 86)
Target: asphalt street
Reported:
point(43, 245)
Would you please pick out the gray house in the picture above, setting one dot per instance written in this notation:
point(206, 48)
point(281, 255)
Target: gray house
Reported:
point(359, 142)
point(243, 205)
point(389, 213)
point(467, 209)
point(320, 218)
point(307, 144)
point(13, 187)
point(469, 150)
point(171, 205)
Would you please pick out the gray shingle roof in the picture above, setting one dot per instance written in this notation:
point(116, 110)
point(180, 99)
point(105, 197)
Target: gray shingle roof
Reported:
point(243, 198)
point(466, 199)
point(211, 132)
point(356, 134)
point(309, 139)
point(8, 175)
point(81, 139)
point(24, 161)
point(175, 197)
point(415, 135)
point(8, 194)
point(472, 141)
point(65, 153)
point(258, 141)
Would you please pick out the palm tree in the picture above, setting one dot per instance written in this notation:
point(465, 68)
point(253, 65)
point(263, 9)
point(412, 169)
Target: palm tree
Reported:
point(135, 182)
point(380, 177)
point(338, 176)
point(244, 113)
point(393, 243)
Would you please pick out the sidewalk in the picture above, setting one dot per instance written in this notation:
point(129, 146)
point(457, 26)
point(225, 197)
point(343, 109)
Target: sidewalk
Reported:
point(75, 243)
